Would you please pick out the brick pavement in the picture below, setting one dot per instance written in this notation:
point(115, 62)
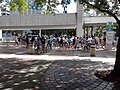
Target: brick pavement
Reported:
point(74, 74)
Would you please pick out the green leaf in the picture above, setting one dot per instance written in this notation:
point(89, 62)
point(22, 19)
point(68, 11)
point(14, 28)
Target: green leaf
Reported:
point(50, 4)
point(13, 6)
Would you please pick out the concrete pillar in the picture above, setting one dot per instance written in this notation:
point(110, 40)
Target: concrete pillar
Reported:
point(40, 32)
point(1, 35)
point(0, 30)
point(87, 33)
point(0, 12)
point(79, 29)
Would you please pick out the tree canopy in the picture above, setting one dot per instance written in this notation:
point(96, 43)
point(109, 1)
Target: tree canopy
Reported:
point(21, 5)
point(110, 7)
point(105, 6)
point(47, 6)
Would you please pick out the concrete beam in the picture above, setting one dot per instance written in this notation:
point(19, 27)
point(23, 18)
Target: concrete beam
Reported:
point(38, 21)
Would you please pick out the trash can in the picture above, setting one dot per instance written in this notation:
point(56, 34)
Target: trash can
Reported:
point(92, 50)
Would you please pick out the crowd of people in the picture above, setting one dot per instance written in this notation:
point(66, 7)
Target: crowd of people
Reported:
point(44, 42)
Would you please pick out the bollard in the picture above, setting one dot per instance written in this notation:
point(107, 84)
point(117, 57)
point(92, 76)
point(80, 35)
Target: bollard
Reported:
point(92, 50)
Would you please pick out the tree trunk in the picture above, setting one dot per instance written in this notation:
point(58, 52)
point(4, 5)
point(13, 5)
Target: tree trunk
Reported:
point(116, 70)
point(115, 74)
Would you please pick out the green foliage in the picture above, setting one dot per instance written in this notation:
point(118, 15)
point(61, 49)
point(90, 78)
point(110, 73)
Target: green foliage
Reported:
point(99, 31)
point(13, 6)
point(47, 6)
point(21, 5)
point(40, 3)
point(102, 5)
point(64, 3)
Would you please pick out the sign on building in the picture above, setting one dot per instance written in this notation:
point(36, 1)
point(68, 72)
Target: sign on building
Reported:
point(109, 33)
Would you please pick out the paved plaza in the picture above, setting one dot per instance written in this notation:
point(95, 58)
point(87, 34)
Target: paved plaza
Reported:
point(55, 70)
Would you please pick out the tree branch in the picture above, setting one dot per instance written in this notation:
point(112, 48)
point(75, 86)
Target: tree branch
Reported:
point(106, 11)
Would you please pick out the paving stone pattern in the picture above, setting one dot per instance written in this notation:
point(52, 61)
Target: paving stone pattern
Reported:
point(17, 74)
point(60, 75)
point(74, 75)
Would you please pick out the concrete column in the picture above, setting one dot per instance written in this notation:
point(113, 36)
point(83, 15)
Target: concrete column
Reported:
point(79, 29)
point(0, 12)
point(87, 33)
point(0, 30)
point(40, 32)
point(0, 35)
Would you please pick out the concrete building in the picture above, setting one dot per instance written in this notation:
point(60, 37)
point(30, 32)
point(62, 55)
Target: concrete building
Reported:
point(34, 21)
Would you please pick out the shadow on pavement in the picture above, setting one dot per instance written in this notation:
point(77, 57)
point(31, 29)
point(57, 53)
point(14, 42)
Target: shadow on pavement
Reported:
point(75, 75)
point(16, 74)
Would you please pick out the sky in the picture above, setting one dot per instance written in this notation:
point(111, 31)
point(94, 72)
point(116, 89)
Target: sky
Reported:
point(71, 8)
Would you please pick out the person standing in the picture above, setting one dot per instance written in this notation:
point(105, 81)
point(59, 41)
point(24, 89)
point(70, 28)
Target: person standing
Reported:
point(49, 43)
point(43, 44)
point(27, 41)
point(16, 41)
point(61, 43)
